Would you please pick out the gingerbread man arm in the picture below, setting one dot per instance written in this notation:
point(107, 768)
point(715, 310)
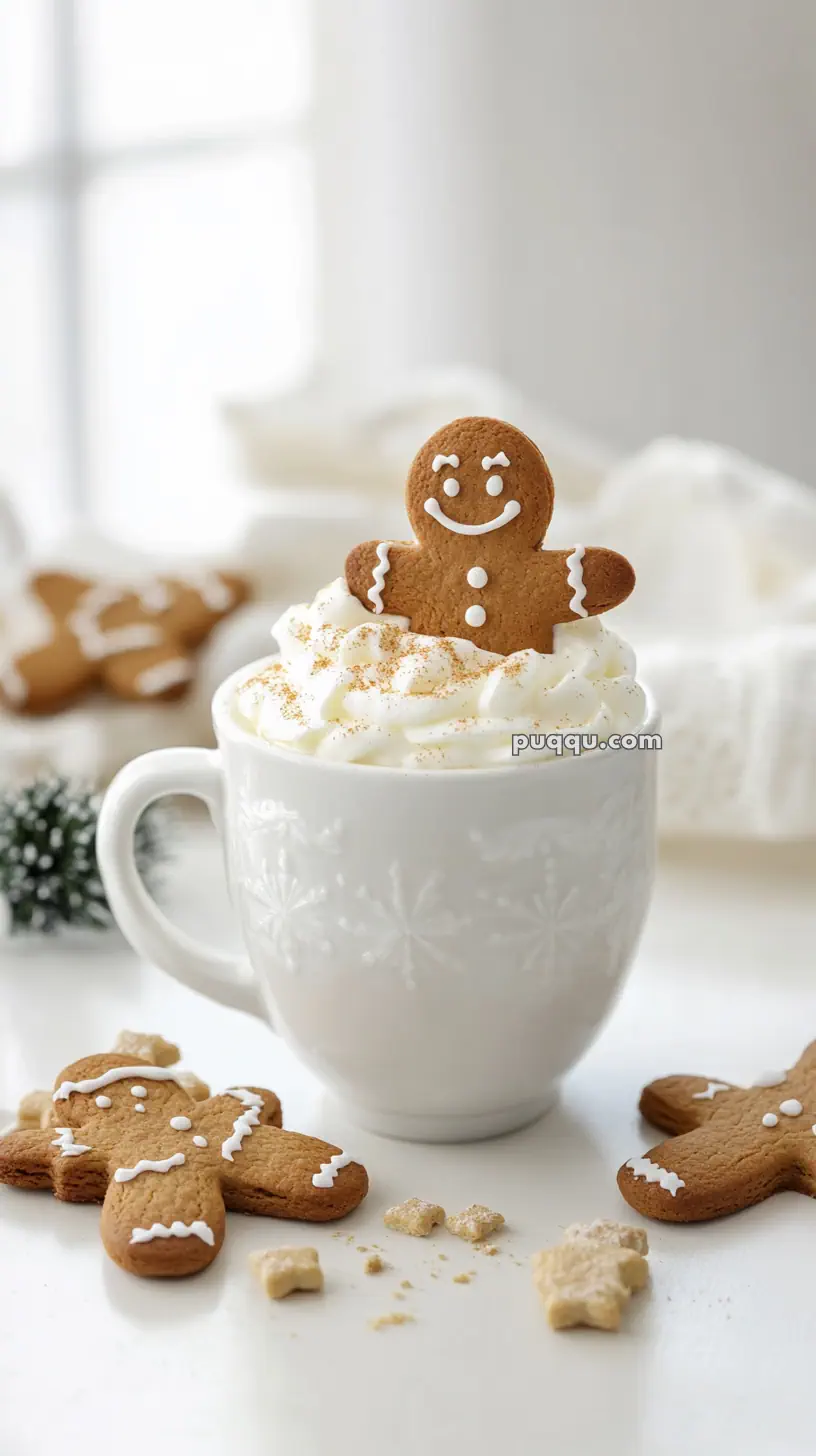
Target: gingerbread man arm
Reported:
point(379, 574)
point(700, 1175)
point(37, 1158)
point(679, 1104)
point(586, 581)
point(26, 1158)
point(274, 1173)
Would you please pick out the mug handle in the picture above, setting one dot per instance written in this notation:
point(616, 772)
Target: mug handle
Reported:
point(196, 771)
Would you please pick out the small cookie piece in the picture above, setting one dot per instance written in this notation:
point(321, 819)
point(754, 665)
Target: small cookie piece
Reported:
point(475, 1222)
point(167, 1176)
point(414, 1216)
point(732, 1147)
point(198, 1090)
point(34, 1110)
point(397, 1318)
point(374, 1264)
point(282, 1271)
point(606, 1231)
point(587, 1283)
point(479, 498)
point(148, 1046)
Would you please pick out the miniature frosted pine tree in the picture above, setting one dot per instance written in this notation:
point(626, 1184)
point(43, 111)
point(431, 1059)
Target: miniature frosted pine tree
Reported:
point(49, 877)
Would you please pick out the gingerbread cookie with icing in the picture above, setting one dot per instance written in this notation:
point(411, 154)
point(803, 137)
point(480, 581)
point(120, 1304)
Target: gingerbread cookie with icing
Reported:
point(730, 1146)
point(124, 1133)
point(70, 634)
point(479, 498)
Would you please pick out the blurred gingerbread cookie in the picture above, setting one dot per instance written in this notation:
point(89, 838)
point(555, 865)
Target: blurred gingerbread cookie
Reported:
point(479, 498)
point(69, 634)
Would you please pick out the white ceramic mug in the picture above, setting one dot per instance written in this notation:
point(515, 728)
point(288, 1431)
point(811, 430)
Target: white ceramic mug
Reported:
point(438, 946)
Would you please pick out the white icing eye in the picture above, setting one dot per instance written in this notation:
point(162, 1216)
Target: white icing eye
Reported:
point(451, 487)
point(494, 485)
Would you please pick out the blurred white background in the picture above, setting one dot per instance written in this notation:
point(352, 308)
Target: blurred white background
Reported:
point(156, 246)
point(610, 206)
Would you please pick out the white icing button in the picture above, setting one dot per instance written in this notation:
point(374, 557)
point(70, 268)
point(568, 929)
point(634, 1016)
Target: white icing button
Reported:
point(139, 1107)
point(477, 576)
point(181, 1124)
point(138, 1091)
point(791, 1108)
point(769, 1079)
point(770, 1120)
point(475, 616)
point(494, 485)
point(200, 1142)
point(451, 487)
point(102, 1101)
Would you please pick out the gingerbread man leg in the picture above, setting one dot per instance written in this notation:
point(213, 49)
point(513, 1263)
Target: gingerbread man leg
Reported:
point(159, 1226)
point(698, 1176)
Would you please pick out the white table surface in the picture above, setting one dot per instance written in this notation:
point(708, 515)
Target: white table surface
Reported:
point(716, 1357)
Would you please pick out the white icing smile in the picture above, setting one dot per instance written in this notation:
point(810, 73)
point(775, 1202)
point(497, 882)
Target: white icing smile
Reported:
point(511, 510)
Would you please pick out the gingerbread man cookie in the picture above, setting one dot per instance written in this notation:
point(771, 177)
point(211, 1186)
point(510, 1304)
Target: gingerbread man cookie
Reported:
point(70, 634)
point(731, 1146)
point(124, 1133)
point(479, 498)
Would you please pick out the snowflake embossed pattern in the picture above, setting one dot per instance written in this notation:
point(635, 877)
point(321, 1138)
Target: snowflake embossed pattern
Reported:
point(534, 912)
point(405, 929)
point(289, 911)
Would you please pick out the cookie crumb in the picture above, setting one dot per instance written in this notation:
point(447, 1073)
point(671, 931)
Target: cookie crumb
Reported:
point(461, 1278)
point(34, 1110)
point(586, 1282)
point(397, 1294)
point(489, 1249)
point(198, 1090)
point(282, 1271)
point(443, 1257)
point(149, 1046)
point(474, 1223)
point(606, 1231)
point(374, 1264)
point(406, 1284)
point(396, 1318)
point(362, 1248)
point(415, 1217)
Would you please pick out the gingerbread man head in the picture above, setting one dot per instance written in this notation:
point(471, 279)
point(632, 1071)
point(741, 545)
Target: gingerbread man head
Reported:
point(126, 1134)
point(479, 498)
point(475, 478)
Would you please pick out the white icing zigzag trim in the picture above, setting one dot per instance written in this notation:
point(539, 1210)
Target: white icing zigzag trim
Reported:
point(383, 565)
point(575, 579)
point(176, 1230)
point(70, 1149)
point(146, 1165)
point(115, 1074)
point(328, 1171)
point(653, 1173)
point(243, 1125)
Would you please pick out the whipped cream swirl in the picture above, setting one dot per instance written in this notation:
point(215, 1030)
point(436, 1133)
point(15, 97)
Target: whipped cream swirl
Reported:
point(355, 688)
